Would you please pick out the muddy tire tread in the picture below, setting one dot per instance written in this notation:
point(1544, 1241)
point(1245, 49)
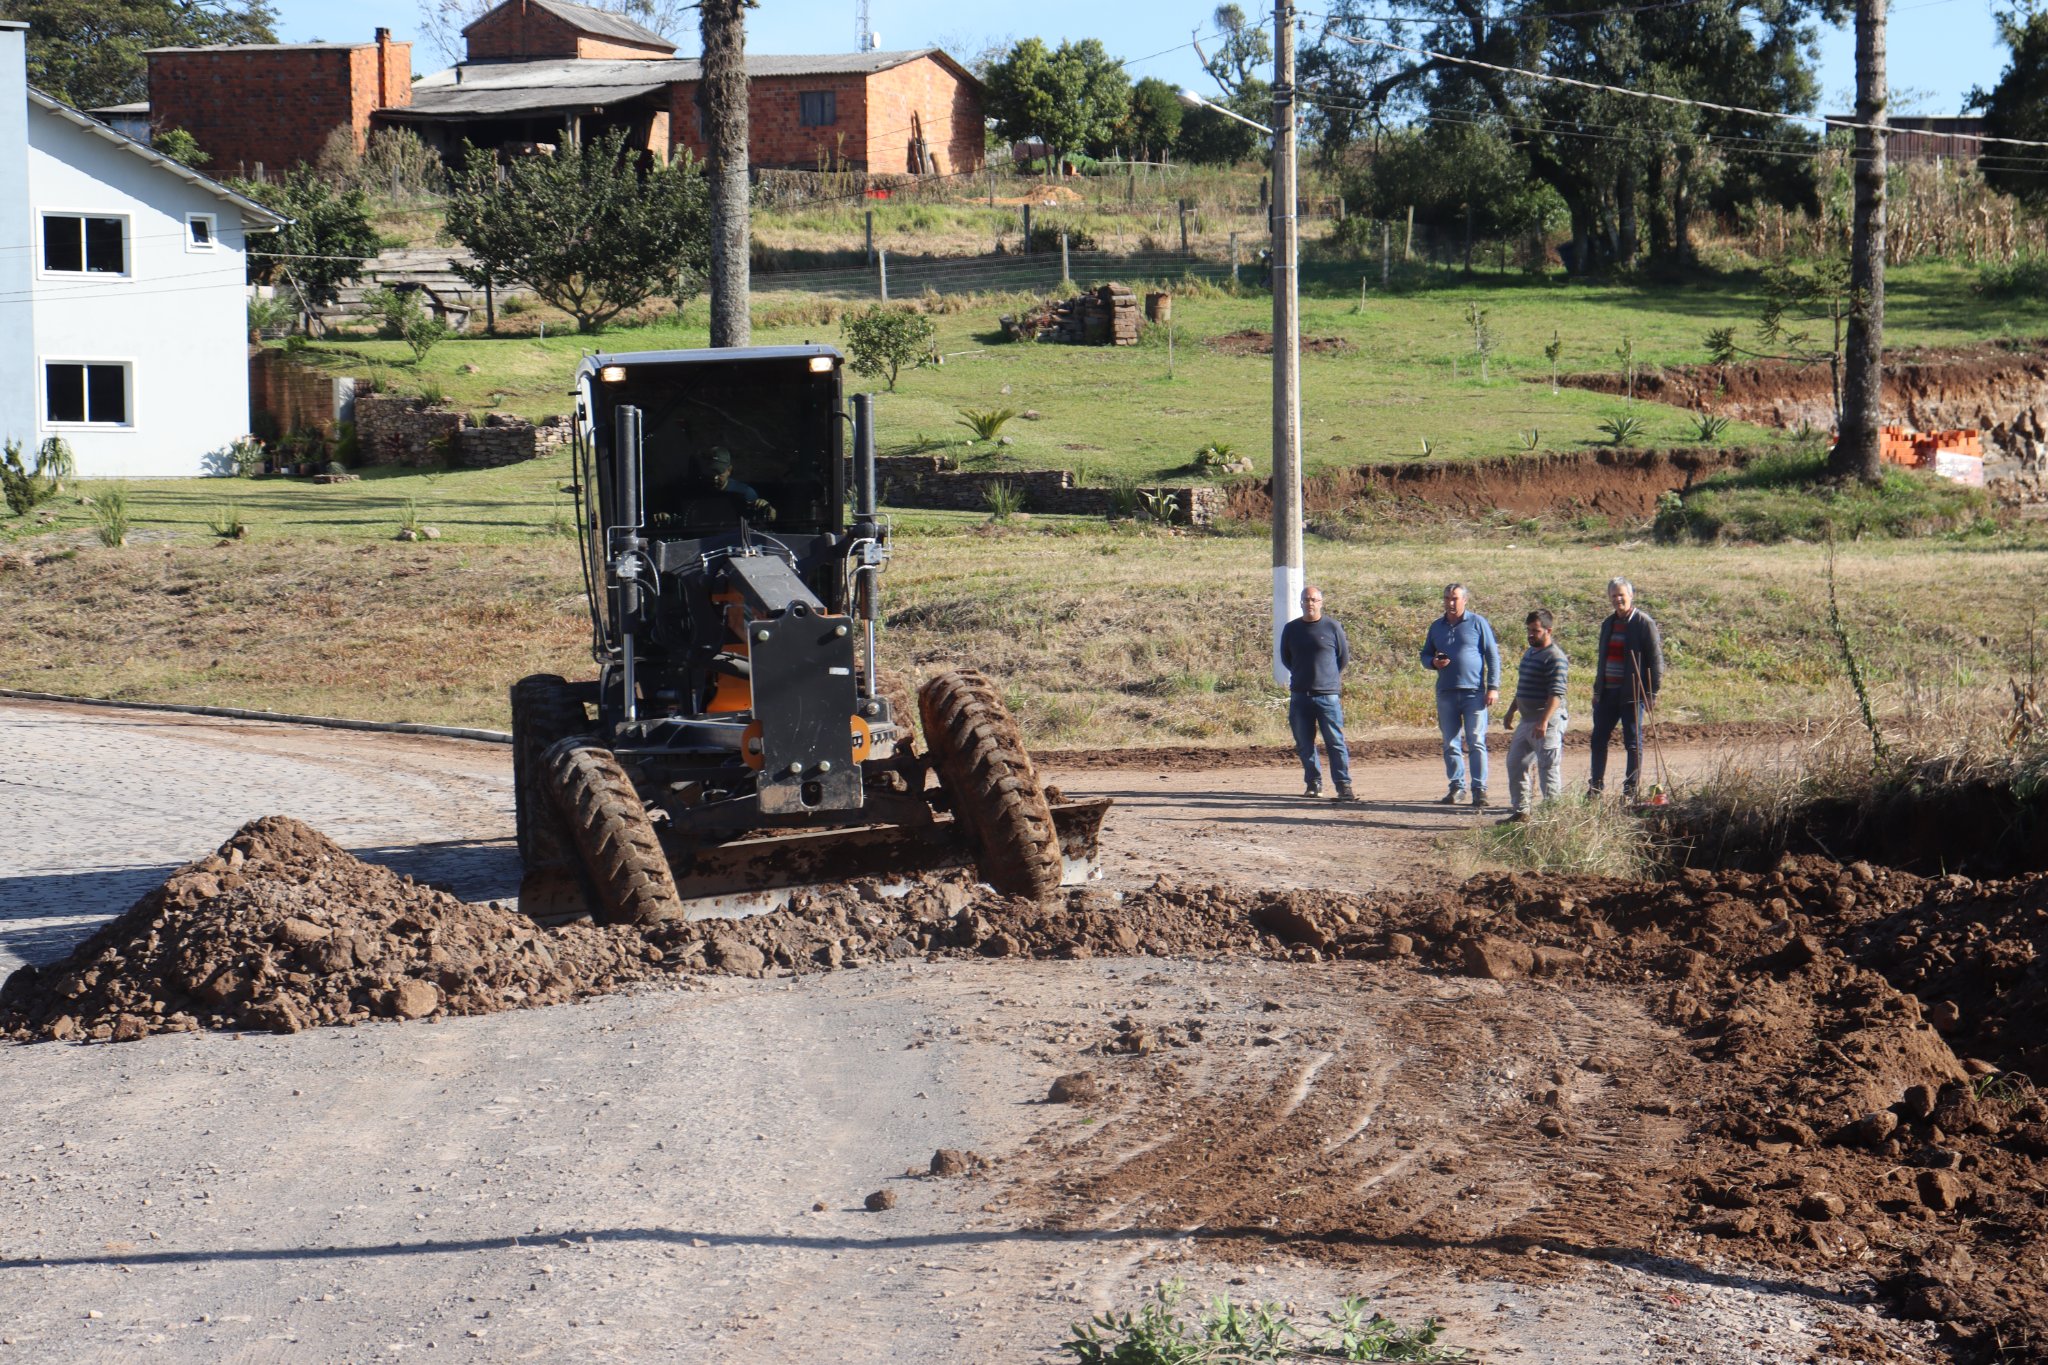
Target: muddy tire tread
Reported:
point(608, 824)
point(981, 762)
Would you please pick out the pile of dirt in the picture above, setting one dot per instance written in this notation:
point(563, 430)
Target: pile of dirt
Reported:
point(1251, 341)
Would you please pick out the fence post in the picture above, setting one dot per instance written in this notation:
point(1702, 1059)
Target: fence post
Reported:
point(871, 236)
point(1183, 227)
point(991, 184)
point(1340, 208)
point(882, 262)
point(1386, 251)
point(1408, 247)
point(1027, 229)
point(1233, 258)
point(1066, 275)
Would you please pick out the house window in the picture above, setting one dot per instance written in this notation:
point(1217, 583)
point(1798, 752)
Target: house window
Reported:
point(199, 232)
point(84, 393)
point(817, 108)
point(74, 244)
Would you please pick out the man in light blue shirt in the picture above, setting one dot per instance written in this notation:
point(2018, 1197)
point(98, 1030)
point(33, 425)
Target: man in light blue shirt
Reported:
point(1461, 649)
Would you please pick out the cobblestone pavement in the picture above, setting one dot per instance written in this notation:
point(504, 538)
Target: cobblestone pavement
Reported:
point(99, 805)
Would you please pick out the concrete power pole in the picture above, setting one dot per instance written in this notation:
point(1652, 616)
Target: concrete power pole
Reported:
point(1857, 448)
point(723, 90)
point(1287, 552)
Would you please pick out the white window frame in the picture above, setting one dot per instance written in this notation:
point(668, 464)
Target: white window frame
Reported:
point(127, 220)
point(127, 364)
point(212, 242)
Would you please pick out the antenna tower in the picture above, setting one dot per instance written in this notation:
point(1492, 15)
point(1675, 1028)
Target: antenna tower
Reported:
point(863, 39)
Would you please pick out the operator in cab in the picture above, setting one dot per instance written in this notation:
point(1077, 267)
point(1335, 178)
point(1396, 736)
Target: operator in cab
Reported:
point(714, 473)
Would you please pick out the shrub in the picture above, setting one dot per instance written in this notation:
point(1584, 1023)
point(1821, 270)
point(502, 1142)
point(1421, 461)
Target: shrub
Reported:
point(226, 521)
point(267, 315)
point(2022, 277)
point(986, 424)
point(1788, 496)
point(1003, 500)
point(26, 485)
point(1123, 497)
point(881, 341)
point(1621, 430)
point(110, 515)
point(1569, 836)
point(1707, 427)
point(241, 459)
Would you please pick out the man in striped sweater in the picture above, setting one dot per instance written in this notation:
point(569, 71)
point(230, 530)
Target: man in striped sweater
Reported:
point(1539, 739)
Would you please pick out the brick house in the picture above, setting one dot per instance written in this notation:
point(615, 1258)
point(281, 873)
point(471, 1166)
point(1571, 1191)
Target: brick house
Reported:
point(274, 105)
point(538, 71)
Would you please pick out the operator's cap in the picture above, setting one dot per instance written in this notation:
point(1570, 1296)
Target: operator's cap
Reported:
point(720, 458)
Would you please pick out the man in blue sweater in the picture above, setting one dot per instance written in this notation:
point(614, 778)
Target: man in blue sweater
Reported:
point(1460, 647)
point(1314, 652)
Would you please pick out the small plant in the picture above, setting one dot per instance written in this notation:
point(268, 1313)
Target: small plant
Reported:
point(110, 515)
point(1160, 505)
point(1707, 427)
point(27, 485)
point(1880, 752)
point(1227, 1333)
point(1621, 430)
point(986, 423)
point(1551, 353)
point(424, 331)
point(560, 524)
point(881, 341)
point(432, 394)
point(1002, 498)
point(1123, 497)
point(1531, 438)
point(226, 522)
point(1427, 449)
point(1626, 354)
point(410, 528)
point(1482, 336)
point(1217, 455)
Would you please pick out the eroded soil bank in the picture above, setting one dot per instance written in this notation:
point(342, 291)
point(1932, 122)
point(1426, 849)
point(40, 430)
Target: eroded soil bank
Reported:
point(1621, 484)
point(1999, 390)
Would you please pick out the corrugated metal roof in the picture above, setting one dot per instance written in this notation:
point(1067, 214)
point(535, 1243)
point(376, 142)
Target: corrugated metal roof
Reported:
point(469, 100)
point(596, 22)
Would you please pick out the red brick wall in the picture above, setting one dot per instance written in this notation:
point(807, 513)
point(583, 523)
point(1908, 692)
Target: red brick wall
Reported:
point(523, 31)
point(948, 108)
point(873, 127)
point(275, 107)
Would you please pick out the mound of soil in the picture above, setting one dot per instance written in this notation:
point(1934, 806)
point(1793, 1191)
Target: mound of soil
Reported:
point(1251, 341)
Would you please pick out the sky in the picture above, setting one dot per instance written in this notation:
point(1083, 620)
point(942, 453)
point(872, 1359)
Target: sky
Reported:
point(1938, 49)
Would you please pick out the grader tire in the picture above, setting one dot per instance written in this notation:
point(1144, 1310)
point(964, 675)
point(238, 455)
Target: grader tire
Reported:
point(544, 713)
point(981, 763)
point(629, 874)
point(895, 689)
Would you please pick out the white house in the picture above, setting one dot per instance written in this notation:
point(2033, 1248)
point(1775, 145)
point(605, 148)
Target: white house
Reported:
point(123, 322)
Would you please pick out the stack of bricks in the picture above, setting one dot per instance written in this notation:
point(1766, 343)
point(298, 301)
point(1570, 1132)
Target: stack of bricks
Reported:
point(1107, 316)
point(1901, 445)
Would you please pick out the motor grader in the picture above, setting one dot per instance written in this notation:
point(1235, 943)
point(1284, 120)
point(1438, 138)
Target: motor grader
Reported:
point(740, 738)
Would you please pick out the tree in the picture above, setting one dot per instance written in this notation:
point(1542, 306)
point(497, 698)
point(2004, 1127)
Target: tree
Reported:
point(723, 94)
point(2017, 106)
point(1069, 98)
point(1154, 120)
point(442, 21)
point(1245, 54)
point(89, 53)
point(181, 147)
point(1858, 452)
point(1797, 293)
point(882, 340)
point(322, 248)
point(494, 239)
point(1615, 160)
point(584, 228)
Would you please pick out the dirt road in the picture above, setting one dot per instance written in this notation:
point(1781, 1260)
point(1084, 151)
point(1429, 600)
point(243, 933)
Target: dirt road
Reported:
point(639, 1176)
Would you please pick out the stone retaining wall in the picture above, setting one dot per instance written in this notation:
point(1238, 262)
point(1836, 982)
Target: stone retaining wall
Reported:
point(392, 429)
point(922, 481)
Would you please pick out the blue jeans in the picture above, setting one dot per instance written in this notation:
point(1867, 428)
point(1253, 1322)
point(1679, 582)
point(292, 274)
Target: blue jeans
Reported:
point(1306, 713)
point(1461, 719)
point(1607, 713)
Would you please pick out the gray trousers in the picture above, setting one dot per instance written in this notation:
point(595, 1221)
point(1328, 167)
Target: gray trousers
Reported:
point(1545, 751)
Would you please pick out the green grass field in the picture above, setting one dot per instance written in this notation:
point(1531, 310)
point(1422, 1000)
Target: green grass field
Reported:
point(1409, 374)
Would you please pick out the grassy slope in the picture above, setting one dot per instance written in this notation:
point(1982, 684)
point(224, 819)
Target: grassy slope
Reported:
point(1102, 637)
point(1411, 375)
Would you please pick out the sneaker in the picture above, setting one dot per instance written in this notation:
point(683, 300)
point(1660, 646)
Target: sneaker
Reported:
point(1450, 798)
point(1312, 789)
point(1346, 794)
point(1479, 796)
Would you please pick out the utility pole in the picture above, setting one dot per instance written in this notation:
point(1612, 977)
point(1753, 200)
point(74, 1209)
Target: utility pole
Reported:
point(1287, 552)
point(1857, 452)
point(722, 25)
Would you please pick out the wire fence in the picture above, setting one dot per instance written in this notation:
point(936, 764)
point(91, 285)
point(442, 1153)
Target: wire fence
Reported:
point(908, 278)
